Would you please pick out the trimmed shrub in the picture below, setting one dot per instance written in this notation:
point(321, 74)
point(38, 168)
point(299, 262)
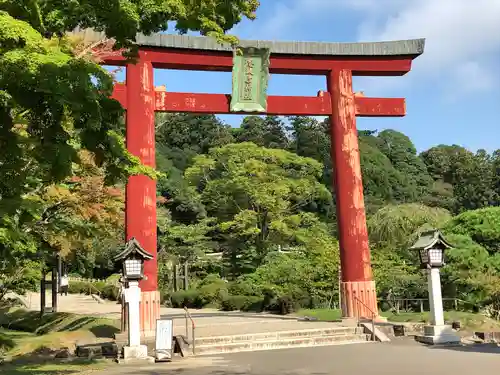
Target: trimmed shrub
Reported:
point(213, 290)
point(242, 303)
point(187, 298)
point(79, 287)
point(104, 289)
point(110, 291)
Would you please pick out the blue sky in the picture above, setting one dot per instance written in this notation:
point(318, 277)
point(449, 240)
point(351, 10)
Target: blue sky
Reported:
point(452, 92)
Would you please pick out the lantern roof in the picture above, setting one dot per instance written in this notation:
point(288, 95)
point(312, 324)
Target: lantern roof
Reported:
point(133, 247)
point(430, 239)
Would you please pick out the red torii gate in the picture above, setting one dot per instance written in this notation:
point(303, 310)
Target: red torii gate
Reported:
point(338, 62)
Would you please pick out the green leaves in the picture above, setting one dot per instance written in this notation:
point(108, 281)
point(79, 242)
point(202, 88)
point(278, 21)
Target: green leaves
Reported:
point(123, 19)
point(258, 197)
point(482, 226)
point(55, 102)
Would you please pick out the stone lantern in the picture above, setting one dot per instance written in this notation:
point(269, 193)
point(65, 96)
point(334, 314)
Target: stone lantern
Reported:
point(431, 246)
point(133, 258)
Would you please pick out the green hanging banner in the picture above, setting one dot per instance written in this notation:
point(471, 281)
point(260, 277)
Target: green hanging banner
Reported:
point(250, 78)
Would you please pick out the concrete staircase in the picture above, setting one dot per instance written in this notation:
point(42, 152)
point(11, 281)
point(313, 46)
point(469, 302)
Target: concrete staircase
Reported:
point(336, 335)
point(222, 332)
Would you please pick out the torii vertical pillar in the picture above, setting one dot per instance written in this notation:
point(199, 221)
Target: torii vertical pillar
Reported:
point(140, 206)
point(358, 294)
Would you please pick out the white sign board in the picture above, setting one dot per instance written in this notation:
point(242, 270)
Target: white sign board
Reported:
point(164, 334)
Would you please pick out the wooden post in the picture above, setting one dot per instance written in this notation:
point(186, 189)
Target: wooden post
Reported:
point(54, 288)
point(186, 276)
point(59, 271)
point(176, 279)
point(140, 205)
point(42, 294)
point(357, 277)
point(340, 285)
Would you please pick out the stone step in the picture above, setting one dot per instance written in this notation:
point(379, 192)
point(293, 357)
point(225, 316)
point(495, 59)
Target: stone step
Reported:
point(278, 335)
point(258, 345)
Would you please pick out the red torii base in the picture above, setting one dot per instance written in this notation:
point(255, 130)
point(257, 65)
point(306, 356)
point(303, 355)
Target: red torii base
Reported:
point(337, 61)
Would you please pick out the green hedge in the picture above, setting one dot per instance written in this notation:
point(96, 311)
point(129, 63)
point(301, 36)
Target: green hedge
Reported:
point(190, 298)
point(194, 299)
point(101, 288)
point(243, 303)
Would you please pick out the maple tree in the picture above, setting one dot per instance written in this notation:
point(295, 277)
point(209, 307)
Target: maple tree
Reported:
point(55, 103)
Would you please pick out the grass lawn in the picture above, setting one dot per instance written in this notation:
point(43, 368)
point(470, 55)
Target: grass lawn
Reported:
point(80, 367)
point(28, 342)
point(30, 354)
point(469, 321)
point(327, 315)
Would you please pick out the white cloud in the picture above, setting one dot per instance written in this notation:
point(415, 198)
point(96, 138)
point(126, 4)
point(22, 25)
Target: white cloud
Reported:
point(462, 36)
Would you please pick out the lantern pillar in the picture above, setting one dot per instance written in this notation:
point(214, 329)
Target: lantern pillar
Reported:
point(134, 350)
point(437, 332)
point(435, 297)
point(140, 206)
point(358, 295)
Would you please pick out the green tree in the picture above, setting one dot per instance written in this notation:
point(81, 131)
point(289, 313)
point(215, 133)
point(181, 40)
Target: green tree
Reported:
point(266, 131)
point(403, 156)
point(259, 196)
point(470, 273)
point(398, 226)
point(482, 226)
point(472, 176)
point(311, 138)
point(382, 183)
point(55, 98)
point(182, 136)
point(392, 231)
point(122, 21)
point(179, 138)
point(307, 272)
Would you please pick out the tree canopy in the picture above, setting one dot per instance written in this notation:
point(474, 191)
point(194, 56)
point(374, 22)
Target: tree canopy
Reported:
point(56, 113)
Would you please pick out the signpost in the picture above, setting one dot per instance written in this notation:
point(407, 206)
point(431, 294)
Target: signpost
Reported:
point(164, 339)
point(250, 76)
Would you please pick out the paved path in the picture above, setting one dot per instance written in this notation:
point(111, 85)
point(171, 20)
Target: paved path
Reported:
point(84, 304)
point(209, 322)
point(400, 357)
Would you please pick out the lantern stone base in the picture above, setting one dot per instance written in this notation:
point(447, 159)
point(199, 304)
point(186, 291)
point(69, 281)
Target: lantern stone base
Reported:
point(136, 353)
point(439, 335)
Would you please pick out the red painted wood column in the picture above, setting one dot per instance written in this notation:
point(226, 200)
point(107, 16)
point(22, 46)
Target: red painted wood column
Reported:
point(358, 293)
point(140, 206)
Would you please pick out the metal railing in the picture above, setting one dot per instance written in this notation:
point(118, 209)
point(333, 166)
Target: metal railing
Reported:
point(189, 319)
point(418, 304)
point(422, 304)
point(359, 305)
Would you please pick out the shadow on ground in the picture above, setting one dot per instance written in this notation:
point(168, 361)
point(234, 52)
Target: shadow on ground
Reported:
point(32, 321)
point(472, 348)
point(48, 367)
point(211, 371)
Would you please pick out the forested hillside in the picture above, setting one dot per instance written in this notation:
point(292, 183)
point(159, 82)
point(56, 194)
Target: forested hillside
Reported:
point(248, 192)
point(250, 209)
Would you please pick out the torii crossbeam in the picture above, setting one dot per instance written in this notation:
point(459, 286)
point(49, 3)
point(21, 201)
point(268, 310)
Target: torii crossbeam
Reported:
point(338, 62)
